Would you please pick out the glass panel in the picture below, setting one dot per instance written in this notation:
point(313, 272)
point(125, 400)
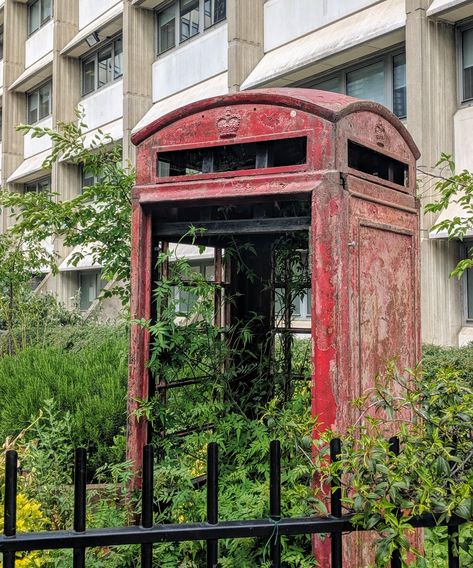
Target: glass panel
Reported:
point(189, 18)
point(88, 179)
point(44, 185)
point(33, 108)
point(31, 188)
point(118, 58)
point(1, 42)
point(88, 76)
point(46, 11)
point(167, 29)
point(220, 10)
point(88, 284)
point(367, 83)
point(34, 15)
point(105, 66)
point(45, 101)
point(467, 50)
point(333, 84)
point(399, 85)
point(208, 13)
point(469, 291)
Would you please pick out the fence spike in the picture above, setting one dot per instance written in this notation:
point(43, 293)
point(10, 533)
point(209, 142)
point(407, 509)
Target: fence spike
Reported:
point(336, 505)
point(147, 503)
point(212, 501)
point(275, 501)
point(80, 481)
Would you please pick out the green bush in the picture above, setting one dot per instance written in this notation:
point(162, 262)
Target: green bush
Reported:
point(84, 370)
point(435, 358)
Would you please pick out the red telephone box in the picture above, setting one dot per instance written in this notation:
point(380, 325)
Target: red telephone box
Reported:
point(346, 168)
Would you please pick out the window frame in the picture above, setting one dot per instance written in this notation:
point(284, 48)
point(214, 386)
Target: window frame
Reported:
point(36, 91)
point(94, 56)
point(36, 183)
point(100, 284)
point(341, 72)
point(465, 246)
point(42, 22)
point(177, 27)
point(462, 102)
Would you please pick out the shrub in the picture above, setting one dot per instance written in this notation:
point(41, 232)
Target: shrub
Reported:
point(85, 372)
point(460, 359)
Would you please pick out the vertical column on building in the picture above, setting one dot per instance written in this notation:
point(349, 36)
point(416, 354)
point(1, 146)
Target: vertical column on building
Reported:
point(431, 103)
point(245, 39)
point(14, 104)
point(138, 53)
point(65, 98)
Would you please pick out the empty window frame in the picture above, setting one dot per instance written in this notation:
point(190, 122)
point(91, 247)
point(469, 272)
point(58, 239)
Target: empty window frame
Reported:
point(184, 19)
point(233, 157)
point(38, 186)
point(382, 80)
point(103, 66)
point(376, 164)
point(38, 103)
point(39, 14)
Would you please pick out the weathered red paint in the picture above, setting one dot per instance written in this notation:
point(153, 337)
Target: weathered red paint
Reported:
point(364, 235)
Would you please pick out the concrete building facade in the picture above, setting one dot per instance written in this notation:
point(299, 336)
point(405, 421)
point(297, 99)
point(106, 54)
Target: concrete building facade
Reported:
point(127, 62)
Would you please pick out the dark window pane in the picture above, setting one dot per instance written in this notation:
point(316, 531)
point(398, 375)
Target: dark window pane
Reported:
point(399, 85)
point(118, 56)
point(45, 101)
point(208, 13)
point(33, 108)
point(88, 76)
point(167, 29)
point(1, 42)
point(220, 10)
point(367, 83)
point(332, 84)
point(376, 164)
point(46, 10)
point(189, 18)
point(34, 16)
point(105, 66)
point(467, 53)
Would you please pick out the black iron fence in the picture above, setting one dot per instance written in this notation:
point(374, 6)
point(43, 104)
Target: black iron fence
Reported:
point(274, 528)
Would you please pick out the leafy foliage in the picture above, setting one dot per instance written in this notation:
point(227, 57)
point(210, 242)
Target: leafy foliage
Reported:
point(85, 371)
point(98, 219)
point(454, 188)
point(433, 472)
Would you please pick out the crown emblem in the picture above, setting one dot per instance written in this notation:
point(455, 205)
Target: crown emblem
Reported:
point(228, 124)
point(380, 134)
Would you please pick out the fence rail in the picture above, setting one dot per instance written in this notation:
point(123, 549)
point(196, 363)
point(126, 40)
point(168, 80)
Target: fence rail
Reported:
point(273, 528)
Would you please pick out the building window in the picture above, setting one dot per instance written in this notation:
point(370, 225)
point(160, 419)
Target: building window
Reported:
point(102, 67)
point(90, 286)
point(193, 17)
point(300, 307)
point(88, 179)
point(39, 103)
point(38, 186)
point(1, 42)
point(382, 80)
point(467, 64)
point(39, 14)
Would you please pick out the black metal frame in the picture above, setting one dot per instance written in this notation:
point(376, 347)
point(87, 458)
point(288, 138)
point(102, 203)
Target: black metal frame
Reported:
point(212, 531)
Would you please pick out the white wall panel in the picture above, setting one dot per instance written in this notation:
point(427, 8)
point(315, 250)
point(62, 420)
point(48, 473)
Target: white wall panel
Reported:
point(104, 106)
point(285, 20)
point(91, 9)
point(34, 146)
point(39, 44)
point(191, 63)
point(463, 128)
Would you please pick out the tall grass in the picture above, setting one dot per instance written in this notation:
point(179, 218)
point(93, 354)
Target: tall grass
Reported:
point(85, 371)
